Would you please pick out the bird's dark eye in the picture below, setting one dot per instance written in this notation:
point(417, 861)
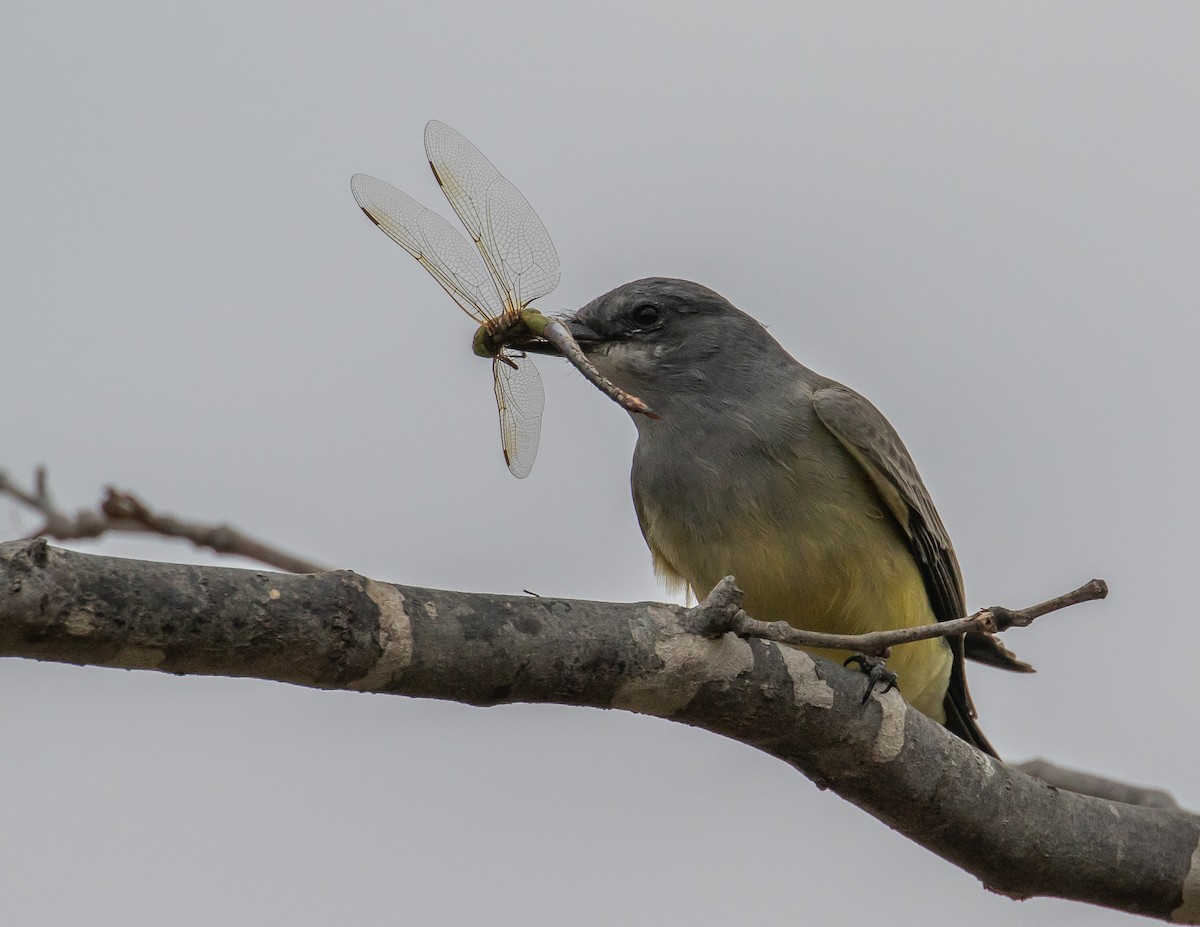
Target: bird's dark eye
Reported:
point(646, 315)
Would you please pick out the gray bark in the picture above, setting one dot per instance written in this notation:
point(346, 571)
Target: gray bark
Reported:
point(340, 630)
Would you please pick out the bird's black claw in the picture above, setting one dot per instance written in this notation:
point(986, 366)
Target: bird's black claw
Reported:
point(876, 671)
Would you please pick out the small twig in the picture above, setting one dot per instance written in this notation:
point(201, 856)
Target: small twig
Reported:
point(35, 501)
point(1098, 787)
point(1022, 618)
point(721, 612)
point(121, 511)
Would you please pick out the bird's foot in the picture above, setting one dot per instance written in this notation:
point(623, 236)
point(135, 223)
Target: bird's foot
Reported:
point(876, 672)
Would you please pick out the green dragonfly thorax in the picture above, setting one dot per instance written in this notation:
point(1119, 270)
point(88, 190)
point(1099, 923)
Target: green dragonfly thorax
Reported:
point(491, 337)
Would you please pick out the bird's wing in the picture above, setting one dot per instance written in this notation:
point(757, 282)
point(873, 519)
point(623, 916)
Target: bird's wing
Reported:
point(873, 443)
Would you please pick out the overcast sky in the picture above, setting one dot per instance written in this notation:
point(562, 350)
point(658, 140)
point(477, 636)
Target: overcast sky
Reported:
point(984, 217)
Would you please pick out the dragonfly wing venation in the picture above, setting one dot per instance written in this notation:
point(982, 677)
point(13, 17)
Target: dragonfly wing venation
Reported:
point(520, 399)
point(516, 247)
point(442, 250)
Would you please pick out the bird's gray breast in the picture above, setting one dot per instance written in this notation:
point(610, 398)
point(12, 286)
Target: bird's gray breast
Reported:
point(708, 456)
point(757, 489)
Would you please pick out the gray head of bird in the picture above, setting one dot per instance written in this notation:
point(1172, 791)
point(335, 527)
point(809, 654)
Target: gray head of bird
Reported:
point(676, 343)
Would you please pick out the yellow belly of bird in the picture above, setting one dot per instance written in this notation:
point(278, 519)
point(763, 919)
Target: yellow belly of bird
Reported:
point(853, 575)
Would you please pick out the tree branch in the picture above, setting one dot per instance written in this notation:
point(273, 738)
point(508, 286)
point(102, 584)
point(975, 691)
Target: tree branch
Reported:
point(124, 512)
point(343, 631)
point(1060, 777)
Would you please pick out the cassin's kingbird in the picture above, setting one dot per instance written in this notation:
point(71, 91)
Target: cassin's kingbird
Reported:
point(757, 467)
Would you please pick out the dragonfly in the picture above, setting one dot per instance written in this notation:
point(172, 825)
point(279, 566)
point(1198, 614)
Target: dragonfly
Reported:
point(508, 263)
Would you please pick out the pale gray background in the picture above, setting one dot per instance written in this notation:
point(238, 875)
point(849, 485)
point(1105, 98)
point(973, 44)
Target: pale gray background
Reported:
point(983, 217)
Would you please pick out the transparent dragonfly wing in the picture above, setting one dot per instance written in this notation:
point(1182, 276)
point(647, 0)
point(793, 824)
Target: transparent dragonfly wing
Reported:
point(519, 398)
point(515, 246)
point(441, 248)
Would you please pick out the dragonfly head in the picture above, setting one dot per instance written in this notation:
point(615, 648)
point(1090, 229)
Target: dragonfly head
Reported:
point(483, 342)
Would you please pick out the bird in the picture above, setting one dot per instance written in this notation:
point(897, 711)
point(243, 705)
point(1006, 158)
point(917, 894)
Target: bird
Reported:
point(757, 467)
